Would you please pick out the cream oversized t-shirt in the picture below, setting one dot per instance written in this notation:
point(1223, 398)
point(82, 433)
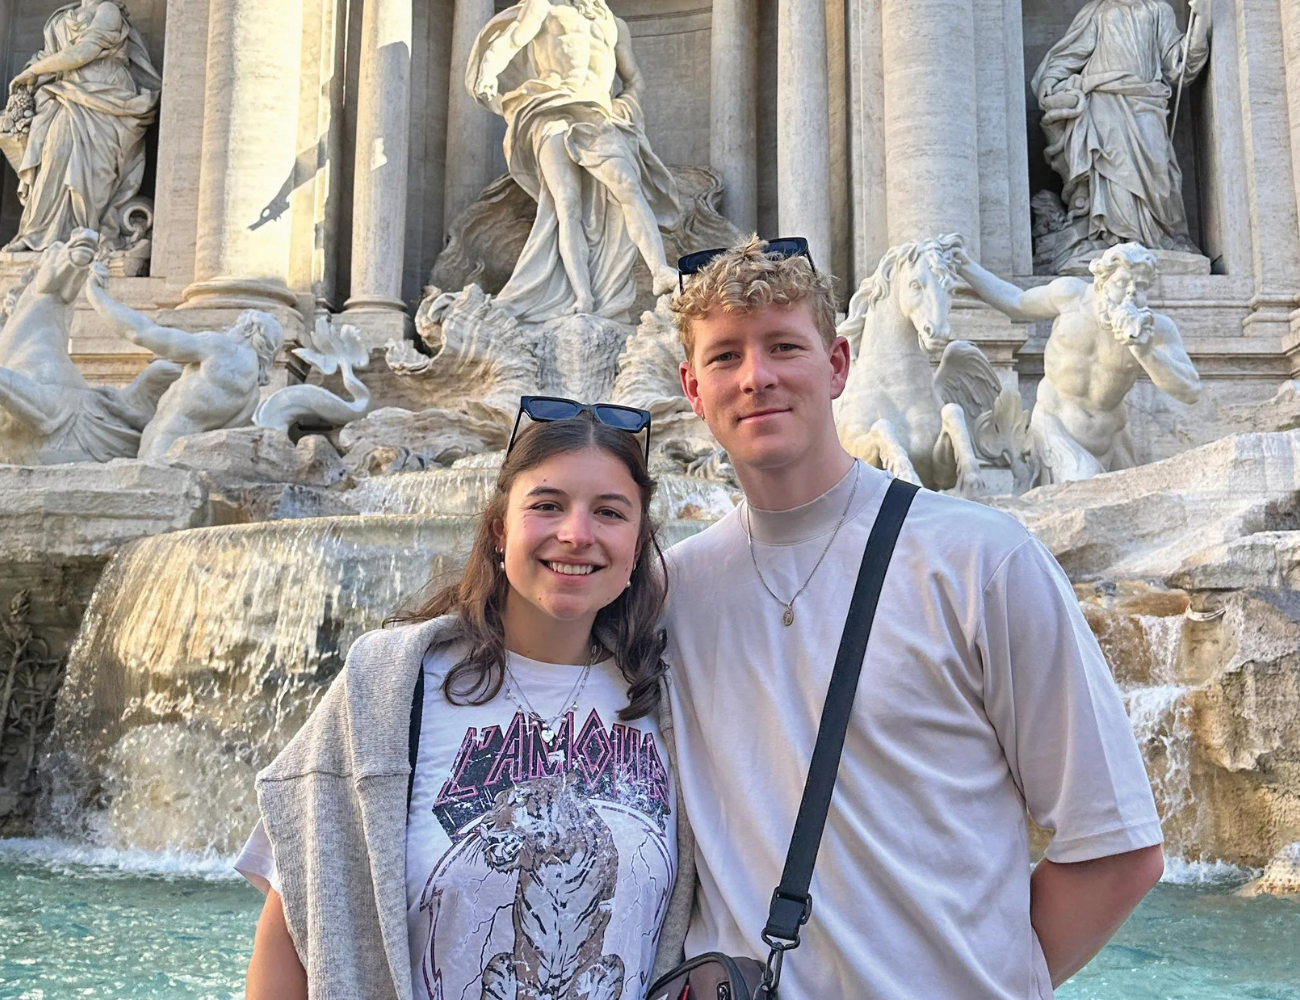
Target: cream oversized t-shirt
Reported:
point(983, 695)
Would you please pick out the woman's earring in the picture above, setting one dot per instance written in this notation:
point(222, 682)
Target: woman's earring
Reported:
point(501, 563)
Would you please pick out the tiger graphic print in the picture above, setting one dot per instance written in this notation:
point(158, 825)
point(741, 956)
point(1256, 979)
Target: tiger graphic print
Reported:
point(567, 866)
point(559, 867)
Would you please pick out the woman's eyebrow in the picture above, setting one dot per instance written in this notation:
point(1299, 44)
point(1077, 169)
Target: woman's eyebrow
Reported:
point(544, 490)
point(617, 497)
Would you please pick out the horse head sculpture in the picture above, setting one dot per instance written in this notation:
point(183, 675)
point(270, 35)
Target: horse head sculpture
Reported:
point(916, 279)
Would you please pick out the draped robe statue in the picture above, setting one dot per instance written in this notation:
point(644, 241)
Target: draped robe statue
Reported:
point(549, 68)
point(96, 92)
point(1106, 91)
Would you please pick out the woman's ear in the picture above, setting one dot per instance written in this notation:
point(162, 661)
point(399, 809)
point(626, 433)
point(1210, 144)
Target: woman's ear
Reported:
point(499, 533)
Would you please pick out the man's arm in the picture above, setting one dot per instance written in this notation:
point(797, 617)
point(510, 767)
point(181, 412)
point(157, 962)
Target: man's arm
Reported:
point(509, 44)
point(176, 345)
point(1021, 305)
point(625, 64)
point(1165, 360)
point(1076, 908)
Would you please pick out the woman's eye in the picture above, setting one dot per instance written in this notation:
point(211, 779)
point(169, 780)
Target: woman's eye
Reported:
point(611, 512)
point(546, 505)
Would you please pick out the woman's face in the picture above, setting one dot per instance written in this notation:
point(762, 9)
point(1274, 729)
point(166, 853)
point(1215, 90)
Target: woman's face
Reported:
point(570, 533)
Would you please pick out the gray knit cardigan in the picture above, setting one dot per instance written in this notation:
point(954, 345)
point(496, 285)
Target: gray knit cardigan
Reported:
point(334, 806)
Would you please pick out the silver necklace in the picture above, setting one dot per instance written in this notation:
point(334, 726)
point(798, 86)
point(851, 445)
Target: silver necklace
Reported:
point(515, 692)
point(787, 616)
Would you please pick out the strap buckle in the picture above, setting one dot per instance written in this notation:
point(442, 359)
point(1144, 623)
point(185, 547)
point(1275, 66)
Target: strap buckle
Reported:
point(786, 914)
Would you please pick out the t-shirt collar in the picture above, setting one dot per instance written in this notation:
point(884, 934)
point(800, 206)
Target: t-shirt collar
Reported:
point(816, 517)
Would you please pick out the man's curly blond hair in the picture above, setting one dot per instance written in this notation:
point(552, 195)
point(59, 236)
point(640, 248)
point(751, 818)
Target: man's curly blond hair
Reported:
point(747, 279)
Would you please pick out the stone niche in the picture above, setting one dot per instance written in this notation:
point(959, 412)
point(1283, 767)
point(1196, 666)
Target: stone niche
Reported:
point(21, 26)
point(1045, 22)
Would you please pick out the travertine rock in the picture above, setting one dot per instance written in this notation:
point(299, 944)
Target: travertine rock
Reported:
point(260, 455)
point(88, 509)
point(1171, 517)
point(1281, 877)
point(395, 440)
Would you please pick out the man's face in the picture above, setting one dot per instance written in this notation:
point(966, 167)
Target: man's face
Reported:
point(764, 382)
point(1123, 304)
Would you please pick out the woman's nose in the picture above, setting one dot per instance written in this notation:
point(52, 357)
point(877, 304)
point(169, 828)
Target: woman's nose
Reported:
point(576, 529)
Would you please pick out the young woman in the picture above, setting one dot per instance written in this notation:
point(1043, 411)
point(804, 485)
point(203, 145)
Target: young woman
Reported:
point(532, 848)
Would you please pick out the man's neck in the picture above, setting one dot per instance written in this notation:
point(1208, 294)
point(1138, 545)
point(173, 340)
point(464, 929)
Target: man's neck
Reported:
point(797, 483)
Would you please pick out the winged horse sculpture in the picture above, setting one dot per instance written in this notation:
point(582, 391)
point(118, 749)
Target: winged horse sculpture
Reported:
point(897, 412)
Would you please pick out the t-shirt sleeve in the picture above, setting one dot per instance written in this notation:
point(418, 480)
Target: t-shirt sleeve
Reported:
point(1059, 715)
point(255, 861)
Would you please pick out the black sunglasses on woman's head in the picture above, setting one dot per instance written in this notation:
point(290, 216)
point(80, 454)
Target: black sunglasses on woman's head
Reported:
point(698, 260)
point(543, 409)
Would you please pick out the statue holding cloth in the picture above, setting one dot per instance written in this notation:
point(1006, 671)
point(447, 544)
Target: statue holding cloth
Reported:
point(1106, 91)
point(549, 67)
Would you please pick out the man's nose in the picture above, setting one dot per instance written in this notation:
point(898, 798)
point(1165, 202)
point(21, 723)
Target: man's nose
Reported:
point(757, 374)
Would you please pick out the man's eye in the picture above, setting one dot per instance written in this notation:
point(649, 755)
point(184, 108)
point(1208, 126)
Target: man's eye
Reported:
point(724, 357)
point(787, 347)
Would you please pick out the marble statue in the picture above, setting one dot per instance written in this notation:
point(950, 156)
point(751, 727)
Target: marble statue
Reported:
point(331, 350)
point(1104, 336)
point(49, 413)
point(896, 411)
point(222, 370)
point(1106, 90)
point(550, 67)
point(91, 93)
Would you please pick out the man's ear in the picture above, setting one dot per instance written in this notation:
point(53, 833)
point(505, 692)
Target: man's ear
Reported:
point(840, 362)
point(691, 388)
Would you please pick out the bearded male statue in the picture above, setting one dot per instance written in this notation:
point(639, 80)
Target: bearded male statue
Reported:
point(549, 68)
point(1106, 92)
point(1104, 336)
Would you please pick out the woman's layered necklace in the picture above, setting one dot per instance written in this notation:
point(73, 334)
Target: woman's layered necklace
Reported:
point(515, 692)
point(787, 616)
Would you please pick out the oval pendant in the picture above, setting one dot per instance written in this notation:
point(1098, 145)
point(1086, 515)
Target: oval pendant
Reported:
point(787, 619)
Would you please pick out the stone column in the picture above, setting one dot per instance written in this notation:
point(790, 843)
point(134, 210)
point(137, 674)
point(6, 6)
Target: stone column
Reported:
point(469, 126)
point(380, 171)
point(1291, 62)
point(932, 158)
point(803, 150)
point(733, 109)
point(1263, 37)
point(250, 130)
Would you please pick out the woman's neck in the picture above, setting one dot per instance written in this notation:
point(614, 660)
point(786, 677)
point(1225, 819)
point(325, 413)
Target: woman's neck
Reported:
point(532, 633)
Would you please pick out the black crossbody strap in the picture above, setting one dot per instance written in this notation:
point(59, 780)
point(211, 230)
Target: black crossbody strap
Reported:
point(413, 739)
point(791, 904)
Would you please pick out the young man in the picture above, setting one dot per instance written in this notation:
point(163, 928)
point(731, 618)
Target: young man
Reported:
point(983, 694)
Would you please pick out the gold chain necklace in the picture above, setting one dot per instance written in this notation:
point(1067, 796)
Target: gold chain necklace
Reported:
point(787, 616)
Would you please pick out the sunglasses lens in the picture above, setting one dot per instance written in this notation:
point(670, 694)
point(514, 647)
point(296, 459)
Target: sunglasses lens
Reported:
point(622, 418)
point(787, 248)
point(552, 409)
point(695, 262)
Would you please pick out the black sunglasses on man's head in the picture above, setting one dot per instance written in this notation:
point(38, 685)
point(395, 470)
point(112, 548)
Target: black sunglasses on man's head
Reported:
point(697, 261)
point(543, 409)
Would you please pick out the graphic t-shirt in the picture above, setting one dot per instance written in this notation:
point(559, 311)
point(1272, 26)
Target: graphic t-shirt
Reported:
point(983, 695)
point(534, 866)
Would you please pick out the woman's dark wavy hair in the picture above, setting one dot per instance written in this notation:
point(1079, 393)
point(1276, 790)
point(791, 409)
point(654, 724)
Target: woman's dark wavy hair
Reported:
point(628, 627)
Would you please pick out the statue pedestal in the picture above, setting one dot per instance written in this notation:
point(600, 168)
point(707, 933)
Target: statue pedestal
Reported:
point(132, 263)
point(1168, 263)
